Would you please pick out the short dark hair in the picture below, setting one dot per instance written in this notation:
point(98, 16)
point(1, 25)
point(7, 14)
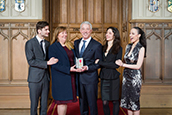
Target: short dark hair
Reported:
point(41, 24)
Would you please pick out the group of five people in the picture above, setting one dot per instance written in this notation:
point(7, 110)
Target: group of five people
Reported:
point(69, 81)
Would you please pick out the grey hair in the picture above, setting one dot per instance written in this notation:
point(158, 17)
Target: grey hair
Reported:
point(86, 22)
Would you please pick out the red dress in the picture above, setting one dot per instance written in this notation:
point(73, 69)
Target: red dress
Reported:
point(71, 60)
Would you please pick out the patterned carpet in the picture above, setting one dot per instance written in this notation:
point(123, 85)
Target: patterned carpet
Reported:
point(73, 109)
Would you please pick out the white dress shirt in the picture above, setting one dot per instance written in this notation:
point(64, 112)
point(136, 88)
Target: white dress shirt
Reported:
point(43, 43)
point(86, 43)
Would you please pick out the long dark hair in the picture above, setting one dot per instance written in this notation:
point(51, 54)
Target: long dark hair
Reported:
point(116, 42)
point(142, 38)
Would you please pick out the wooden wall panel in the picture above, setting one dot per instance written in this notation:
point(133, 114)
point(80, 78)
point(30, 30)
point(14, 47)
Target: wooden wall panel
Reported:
point(19, 62)
point(98, 9)
point(55, 11)
point(157, 64)
point(115, 11)
point(108, 11)
point(14, 97)
point(111, 10)
point(153, 62)
point(63, 11)
point(74, 36)
point(98, 36)
point(101, 13)
point(126, 15)
point(14, 66)
point(80, 11)
point(14, 91)
point(156, 96)
point(90, 10)
point(4, 55)
point(168, 56)
point(72, 11)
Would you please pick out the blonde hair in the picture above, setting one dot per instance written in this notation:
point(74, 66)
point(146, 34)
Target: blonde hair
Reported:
point(59, 29)
point(56, 33)
point(69, 45)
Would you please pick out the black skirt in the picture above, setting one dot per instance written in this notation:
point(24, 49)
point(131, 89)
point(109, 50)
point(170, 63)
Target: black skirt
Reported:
point(110, 89)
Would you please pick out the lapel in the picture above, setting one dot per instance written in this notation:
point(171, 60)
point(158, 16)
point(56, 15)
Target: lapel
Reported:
point(46, 48)
point(61, 49)
point(46, 45)
point(37, 45)
point(89, 47)
point(74, 55)
point(108, 53)
point(73, 52)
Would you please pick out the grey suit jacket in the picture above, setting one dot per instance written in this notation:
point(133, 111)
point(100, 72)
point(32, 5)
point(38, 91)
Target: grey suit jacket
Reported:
point(37, 60)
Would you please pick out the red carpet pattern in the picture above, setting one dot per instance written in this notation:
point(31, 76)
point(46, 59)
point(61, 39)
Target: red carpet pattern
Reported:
point(73, 109)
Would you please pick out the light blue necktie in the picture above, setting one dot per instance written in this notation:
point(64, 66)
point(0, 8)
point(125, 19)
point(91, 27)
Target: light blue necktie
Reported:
point(82, 48)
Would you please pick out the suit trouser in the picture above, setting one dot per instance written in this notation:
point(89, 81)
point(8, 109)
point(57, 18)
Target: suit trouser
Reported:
point(88, 98)
point(39, 91)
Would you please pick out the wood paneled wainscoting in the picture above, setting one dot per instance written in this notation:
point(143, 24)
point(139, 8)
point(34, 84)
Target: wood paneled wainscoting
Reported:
point(14, 93)
point(156, 91)
point(68, 13)
point(157, 69)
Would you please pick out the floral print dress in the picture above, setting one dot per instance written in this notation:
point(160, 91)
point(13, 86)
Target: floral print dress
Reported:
point(132, 80)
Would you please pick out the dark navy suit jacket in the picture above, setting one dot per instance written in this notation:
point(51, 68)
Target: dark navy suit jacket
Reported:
point(92, 52)
point(61, 78)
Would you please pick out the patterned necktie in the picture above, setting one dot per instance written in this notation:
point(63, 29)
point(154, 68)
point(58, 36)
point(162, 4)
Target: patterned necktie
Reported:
point(82, 48)
point(41, 44)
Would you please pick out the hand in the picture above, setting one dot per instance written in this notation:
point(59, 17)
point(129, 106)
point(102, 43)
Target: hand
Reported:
point(78, 70)
point(119, 62)
point(72, 69)
point(97, 60)
point(84, 68)
point(52, 61)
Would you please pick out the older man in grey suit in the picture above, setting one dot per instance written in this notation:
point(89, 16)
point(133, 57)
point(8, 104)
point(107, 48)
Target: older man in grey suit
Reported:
point(38, 78)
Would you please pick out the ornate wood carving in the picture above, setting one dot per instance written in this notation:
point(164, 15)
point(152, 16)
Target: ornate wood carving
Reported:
point(13, 37)
point(157, 63)
point(101, 13)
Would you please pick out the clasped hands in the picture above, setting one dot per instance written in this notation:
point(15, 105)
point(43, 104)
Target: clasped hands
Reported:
point(119, 62)
point(84, 68)
point(73, 69)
